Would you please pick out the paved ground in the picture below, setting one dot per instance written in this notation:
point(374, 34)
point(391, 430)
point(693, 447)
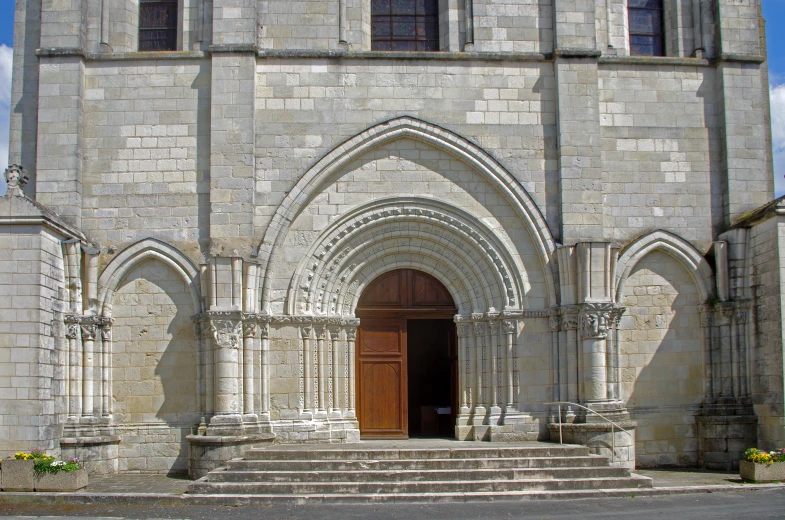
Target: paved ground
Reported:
point(746, 505)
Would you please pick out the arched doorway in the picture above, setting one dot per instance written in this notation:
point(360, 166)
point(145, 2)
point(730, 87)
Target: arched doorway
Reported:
point(406, 357)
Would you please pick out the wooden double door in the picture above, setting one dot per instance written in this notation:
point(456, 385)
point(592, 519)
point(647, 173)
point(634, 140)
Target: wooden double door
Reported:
point(406, 357)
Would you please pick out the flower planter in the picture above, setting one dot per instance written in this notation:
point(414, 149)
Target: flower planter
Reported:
point(61, 481)
point(762, 472)
point(17, 475)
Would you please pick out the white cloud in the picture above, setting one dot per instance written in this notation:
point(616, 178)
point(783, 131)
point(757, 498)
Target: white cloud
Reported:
point(6, 59)
point(778, 136)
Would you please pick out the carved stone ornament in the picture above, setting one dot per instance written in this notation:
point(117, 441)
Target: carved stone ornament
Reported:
point(226, 333)
point(250, 328)
point(510, 326)
point(554, 322)
point(71, 330)
point(265, 330)
point(335, 333)
point(89, 330)
point(106, 328)
point(306, 332)
point(569, 322)
point(594, 325)
point(464, 330)
point(16, 177)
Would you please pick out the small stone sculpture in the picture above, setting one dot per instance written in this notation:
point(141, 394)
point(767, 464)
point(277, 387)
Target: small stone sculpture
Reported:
point(16, 177)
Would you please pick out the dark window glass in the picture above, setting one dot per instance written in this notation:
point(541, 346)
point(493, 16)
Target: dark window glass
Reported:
point(405, 25)
point(646, 29)
point(158, 25)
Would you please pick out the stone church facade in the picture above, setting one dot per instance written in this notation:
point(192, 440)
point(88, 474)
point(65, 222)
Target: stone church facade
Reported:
point(228, 219)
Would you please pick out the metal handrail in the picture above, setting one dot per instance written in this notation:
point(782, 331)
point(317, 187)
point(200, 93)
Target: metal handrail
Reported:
point(613, 424)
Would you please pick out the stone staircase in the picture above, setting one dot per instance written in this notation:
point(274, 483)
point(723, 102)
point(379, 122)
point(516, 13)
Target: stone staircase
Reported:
point(374, 471)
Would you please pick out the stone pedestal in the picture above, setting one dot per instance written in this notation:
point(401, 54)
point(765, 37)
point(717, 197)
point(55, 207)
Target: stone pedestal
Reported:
point(208, 452)
point(600, 438)
point(722, 440)
point(98, 454)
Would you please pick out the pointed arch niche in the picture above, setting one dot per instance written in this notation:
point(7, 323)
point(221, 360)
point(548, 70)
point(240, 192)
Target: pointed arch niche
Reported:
point(509, 189)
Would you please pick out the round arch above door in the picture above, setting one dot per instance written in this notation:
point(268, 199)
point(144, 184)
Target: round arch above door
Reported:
point(403, 291)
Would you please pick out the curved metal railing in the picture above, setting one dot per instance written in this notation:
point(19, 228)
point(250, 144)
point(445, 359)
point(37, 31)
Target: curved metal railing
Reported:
point(595, 412)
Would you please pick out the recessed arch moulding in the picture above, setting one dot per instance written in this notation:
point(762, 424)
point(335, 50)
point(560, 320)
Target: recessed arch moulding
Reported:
point(494, 259)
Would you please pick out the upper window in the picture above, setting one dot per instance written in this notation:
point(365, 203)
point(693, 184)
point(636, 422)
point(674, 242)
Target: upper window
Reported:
point(158, 25)
point(646, 33)
point(405, 25)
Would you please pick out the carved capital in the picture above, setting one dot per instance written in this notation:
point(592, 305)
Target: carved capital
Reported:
point(554, 323)
point(335, 332)
point(321, 331)
point(250, 328)
point(106, 328)
point(71, 330)
point(569, 322)
point(305, 331)
point(510, 326)
point(226, 332)
point(480, 327)
point(89, 330)
point(464, 330)
point(264, 329)
point(351, 333)
point(594, 325)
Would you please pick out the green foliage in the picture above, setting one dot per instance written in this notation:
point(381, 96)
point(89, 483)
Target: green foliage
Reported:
point(43, 463)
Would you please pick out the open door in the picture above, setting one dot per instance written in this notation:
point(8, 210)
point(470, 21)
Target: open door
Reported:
point(381, 396)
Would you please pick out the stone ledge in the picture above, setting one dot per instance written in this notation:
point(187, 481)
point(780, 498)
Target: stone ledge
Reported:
point(654, 61)
point(228, 440)
point(78, 442)
point(576, 53)
point(421, 55)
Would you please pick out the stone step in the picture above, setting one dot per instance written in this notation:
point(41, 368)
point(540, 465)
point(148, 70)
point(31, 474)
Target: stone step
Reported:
point(414, 464)
point(425, 453)
point(416, 475)
point(419, 488)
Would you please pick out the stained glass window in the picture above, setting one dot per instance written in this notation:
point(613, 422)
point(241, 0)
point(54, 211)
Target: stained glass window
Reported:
point(646, 32)
point(158, 25)
point(405, 25)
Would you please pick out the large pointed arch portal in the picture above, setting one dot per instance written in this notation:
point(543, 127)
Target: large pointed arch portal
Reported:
point(407, 357)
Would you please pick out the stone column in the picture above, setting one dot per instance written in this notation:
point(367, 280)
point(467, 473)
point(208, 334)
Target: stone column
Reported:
point(306, 377)
point(250, 336)
point(495, 411)
point(226, 329)
point(321, 370)
point(594, 332)
point(264, 401)
point(480, 408)
point(351, 335)
point(89, 332)
point(106, 366)
point(335, 372)
point(74, 335)
point(511, 365)
point(463, 421)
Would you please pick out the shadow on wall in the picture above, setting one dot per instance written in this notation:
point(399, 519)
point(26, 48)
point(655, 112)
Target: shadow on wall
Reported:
point(154, 369)
point(662, 361)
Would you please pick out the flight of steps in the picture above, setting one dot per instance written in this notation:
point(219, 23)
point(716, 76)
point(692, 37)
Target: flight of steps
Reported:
point(360, 473)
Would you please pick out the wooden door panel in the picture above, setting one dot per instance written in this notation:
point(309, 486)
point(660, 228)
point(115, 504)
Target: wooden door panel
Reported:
point(383, 338)
point(381, 385)
point(380, 406)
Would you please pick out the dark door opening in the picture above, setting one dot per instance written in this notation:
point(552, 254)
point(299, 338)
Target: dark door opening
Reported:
point(431, 366)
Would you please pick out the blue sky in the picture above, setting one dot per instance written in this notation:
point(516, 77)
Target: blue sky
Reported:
point(773, 11)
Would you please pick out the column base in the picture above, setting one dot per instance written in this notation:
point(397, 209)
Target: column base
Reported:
point(723, 438)
point(600, 438)
point(209, 452)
